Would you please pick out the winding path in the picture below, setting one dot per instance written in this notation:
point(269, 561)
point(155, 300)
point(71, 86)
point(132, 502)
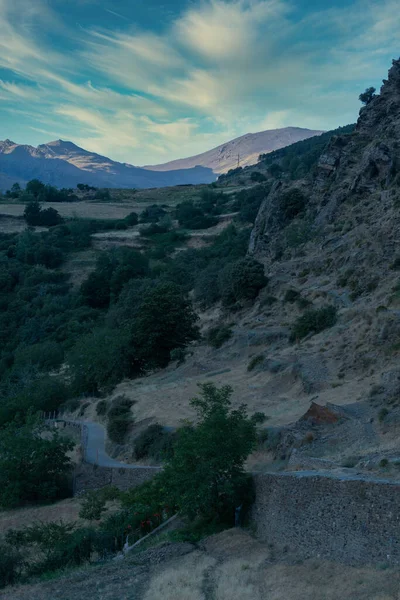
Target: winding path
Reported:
point(94, 443)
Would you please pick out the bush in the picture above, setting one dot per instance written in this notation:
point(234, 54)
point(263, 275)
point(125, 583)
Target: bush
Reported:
point(101, 408)
point(314, 321)
point(291, 296)
point(119, 419)
point(154, 442)
point(132, 219)
point(255, 361)
point(32, 468)
point(292, 203)
point(383, 413)
point(258, 177)
point(121, 405)
point(219, 335)
point(11, 562)
point(118, 427)
point(93, 506)
point(242, 280)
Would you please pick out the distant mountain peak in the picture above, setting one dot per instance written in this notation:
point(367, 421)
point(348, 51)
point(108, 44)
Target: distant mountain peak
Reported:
point(245, 149)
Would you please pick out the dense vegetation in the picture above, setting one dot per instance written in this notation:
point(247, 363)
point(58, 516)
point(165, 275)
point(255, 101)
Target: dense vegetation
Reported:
point(297, 160)
point(204, 479)
point(132, 314)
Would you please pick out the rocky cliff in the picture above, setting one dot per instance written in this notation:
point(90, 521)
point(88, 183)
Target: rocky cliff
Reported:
point(356, 184)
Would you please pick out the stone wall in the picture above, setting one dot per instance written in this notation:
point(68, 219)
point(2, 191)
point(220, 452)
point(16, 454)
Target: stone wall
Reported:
point(348, 519)
point(92, 477)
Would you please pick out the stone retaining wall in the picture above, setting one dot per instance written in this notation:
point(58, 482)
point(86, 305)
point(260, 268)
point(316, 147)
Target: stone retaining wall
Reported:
point(353, 520)
point(92, 477)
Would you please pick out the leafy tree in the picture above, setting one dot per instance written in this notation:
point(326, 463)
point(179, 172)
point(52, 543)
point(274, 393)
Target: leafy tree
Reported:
point(292, 204)
point(32, 468)
point(242, 280)
point(101, 359)
point(257, 177)
point(152, 214)
point(15, 190)
point(367, 96)
point(32, 213)
point(314, 321)
point(205, 476)
point(192, 217)
point(34, 187)
point(165, 320)
point(275, 170)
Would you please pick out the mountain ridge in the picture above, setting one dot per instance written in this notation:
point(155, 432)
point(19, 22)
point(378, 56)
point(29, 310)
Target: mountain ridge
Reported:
point(247, 147)
point(64, 164)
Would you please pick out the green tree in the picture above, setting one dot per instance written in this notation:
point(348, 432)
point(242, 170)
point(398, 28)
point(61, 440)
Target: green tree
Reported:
point(32, 213)
point(242, 280)
point(34, 187)
point(32, 468)
point(205, 476)
point(165, 320)
point(367, 96)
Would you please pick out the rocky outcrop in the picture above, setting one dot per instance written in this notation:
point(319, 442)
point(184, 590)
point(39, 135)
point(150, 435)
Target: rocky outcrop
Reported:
point(353, 167)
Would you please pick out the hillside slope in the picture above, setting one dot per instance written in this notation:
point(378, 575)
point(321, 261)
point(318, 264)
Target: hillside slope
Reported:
point(247, 147)
point(64, 164)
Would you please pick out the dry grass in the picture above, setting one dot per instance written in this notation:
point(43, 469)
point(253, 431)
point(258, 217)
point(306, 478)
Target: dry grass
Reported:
point(184, 581)
point(66, 510)
point(231, 566)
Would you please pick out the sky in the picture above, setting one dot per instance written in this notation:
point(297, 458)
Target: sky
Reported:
point(146, 82)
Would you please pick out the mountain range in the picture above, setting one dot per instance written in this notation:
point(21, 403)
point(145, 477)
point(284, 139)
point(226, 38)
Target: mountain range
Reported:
point(244, 150)
point(63, 164)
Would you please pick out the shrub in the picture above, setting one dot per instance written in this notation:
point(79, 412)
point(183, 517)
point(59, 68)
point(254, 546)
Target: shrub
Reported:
point(219, 335)
point(101, 408)
point(132, 219)
point(32, 468)
point(46, 355)
point(314, 321)
point(119, 419)
point(178, 355)
point(255, 361)
point(383, 413)
point(257, 177)
point(93, 506)
point(259, 418)
point(367, 96)
point(118, 427)
point(11, 562)
point(242, 280)
point(153, 442)
point(291, 296)
point(292, 203)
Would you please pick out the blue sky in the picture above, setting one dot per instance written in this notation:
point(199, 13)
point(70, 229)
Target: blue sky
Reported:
point(145, 82)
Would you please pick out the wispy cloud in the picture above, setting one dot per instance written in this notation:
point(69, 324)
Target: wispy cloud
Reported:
point(217, 70)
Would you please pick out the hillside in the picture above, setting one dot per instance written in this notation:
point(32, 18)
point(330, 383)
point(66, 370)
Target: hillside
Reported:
point(228, 566)
point(246, 148)
point(63, 164)
point(326, 328)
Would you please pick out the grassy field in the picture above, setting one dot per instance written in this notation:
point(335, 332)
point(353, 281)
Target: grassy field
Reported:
point(229, 566)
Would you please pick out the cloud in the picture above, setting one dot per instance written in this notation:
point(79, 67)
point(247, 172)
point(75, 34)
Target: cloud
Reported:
point(218, 70)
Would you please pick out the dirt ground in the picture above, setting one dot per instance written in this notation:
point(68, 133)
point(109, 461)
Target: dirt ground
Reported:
point(65, 510)
point(229, 566)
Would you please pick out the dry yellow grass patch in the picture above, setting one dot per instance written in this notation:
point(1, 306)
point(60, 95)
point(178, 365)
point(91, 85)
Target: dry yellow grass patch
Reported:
point(182, 581)
point(66, 510)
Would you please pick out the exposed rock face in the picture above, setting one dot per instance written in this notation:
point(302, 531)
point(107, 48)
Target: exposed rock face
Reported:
point(317, 415)
point(364, 165)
